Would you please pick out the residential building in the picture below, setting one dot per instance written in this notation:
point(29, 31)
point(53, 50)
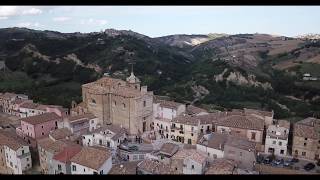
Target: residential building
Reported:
point(32, 109)
point(38, 126)
point(108, 136)
point(126, 168)
point(91, 161)
point(193, 110)
point(221, 166)
point(119, 102)
point(187, 128)
point(15, 153)
point(6, 100)
point(212, 145)
point(277, 138)
point(47, 149)
point(132, 152)
point(267, 116)
point(80, 124)
point(163, 112)
point(166, 151)
point(241, 151)
point(247, 126)
point(188, 161)
point(61, 161)
point(306, 139)
point(151, 166)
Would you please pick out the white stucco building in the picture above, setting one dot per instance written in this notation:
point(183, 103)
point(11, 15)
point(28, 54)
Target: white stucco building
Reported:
point(91, 161)
point(17, 153)
point(212, 145)
point(277, 138)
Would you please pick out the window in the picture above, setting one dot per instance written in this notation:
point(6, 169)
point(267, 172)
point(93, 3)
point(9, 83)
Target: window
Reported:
point(95, 172)
point(93, 101)
point(280, 143)
point(56, 123)
point(92, 121)
point(74, 168)
point(84, 137)
point(42, 133)
point(191, 128)
point(84, 170)
point(281, 151)
point(42, 127)
point(101, 172)
point(28, 165)
point(253, 136)
point(115, 103)
point(59, 167)
point(27, 159)
point(144, 103)
point(22, 152)
point(191, 134)
point(240, 153)
point(303, 153)
point(192, 166)
point(304, 144)
point(306, 139)
point(274, 142)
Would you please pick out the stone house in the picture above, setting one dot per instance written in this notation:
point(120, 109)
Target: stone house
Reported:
point(91, 160)
point(188, 161)
point(306, 139)
point(61, 161)
point(163, 112)
point(221, 166)
point(15, 153)
point(241, 151)
point(108, 136)
point(80, 124)
point(277, 138)
point(212, 145)
point(247, 126)
point(151, 166)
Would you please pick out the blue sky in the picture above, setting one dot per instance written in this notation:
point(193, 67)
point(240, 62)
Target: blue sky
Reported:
point(157, 21)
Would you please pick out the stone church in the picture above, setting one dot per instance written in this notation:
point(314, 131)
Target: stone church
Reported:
point(114, 101)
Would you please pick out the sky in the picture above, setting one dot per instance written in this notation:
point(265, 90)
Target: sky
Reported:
point(155, 21)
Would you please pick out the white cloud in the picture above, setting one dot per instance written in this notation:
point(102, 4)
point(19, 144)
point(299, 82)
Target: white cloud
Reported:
point(10, 11)
point(61, 19)
point(32, 11)
point(3, 18)
point(29, 24)
point(91, 21)
point(6, 11)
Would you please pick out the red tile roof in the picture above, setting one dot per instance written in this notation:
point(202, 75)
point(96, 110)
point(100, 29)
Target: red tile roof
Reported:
point(42, 118)
point(91, 157)
point(242, 121)
point(67, 153)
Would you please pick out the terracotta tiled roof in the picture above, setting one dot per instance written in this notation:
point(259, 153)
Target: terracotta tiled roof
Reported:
point(169, 104)
point(308, 128)
point(215, 141)
point(186, 119)
point(169, 149)
point(241, 121)
point(258, 112)
point(52, 146)
point(67, 153)
point(119, 131)
point(11, 140)
point(29, 105)
point(124, 168)
point(42, 118)
point(221, 166)
point(87, 116)
point(60, 133)
point(284, 123)
point(241, 143)
point(194, 110)
point(154, 167)
point(91, 157)
point(190, 153)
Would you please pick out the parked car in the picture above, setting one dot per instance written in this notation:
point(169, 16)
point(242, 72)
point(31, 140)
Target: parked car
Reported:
point(260, 159)
point(267, 160)
point(309, 166)
point(287, 163)
point(294, 160)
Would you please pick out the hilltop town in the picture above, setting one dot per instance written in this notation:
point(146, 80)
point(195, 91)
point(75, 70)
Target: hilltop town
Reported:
point(121, 127)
